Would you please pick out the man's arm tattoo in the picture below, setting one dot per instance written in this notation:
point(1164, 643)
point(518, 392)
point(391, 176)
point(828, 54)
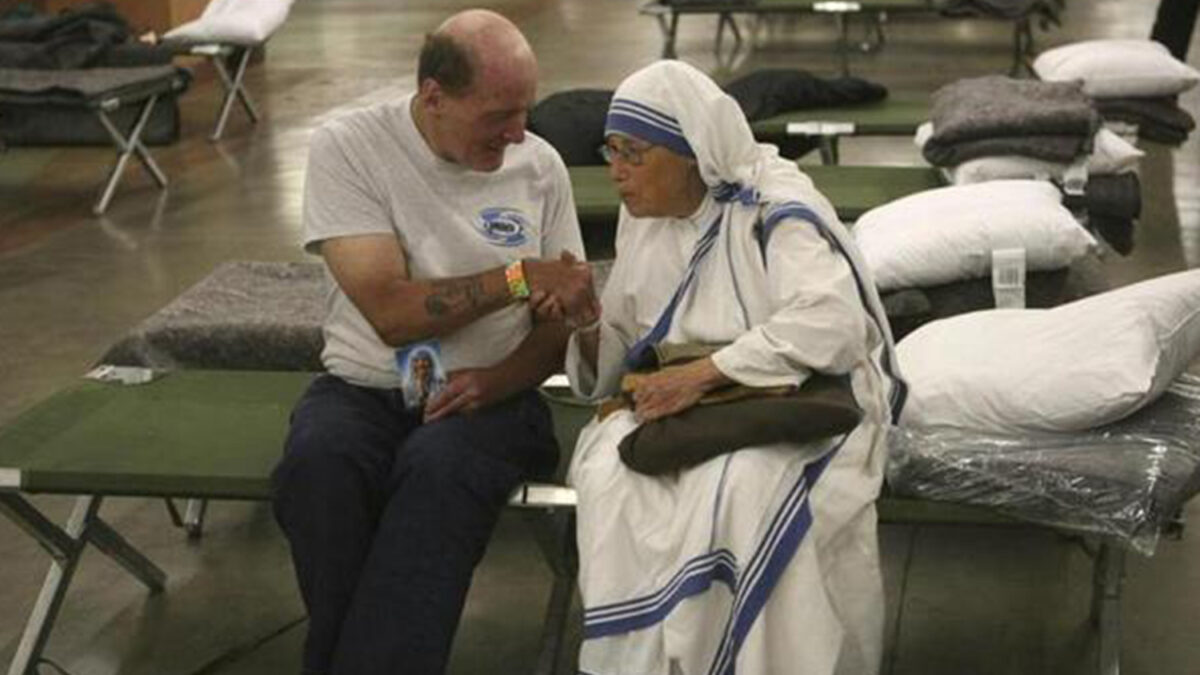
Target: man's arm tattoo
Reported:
point(455, 295)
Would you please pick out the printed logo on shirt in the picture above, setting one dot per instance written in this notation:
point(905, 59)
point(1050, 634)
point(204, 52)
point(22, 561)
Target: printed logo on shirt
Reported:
point(503, 226)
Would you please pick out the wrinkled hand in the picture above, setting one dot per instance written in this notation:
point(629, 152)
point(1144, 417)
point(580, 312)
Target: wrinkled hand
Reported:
point(560, 289)
point(465, 391)
point(675, 389)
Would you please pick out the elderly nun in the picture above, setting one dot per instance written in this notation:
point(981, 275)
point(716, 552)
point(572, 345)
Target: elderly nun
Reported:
point(762, 560)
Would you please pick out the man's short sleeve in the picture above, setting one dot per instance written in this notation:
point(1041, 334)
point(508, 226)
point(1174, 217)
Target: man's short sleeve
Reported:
point(339, 198)
point(561, 229)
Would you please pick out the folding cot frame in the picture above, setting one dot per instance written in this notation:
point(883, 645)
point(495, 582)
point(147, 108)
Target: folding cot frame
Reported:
point(98, 439)
point(234, 83)
point(668, 13)
point(889, 117)
point(128, 143)
point(127, 146)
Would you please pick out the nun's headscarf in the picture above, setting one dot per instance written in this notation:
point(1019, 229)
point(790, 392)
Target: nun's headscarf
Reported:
point(672, 104)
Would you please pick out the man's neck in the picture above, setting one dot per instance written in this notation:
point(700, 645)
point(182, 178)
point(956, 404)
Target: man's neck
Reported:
point(423, 127)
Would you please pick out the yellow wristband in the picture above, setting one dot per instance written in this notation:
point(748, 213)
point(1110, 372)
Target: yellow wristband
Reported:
point(514, 274)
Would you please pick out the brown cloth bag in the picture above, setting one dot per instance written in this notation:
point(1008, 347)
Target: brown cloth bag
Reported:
point(733, 417)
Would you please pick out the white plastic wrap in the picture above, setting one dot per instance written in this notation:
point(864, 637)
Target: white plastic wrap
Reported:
point(1124, 480)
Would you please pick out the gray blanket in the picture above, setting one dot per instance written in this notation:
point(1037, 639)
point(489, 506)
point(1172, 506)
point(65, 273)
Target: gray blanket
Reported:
point(1158, 119)
point(82, 87)
point(243, 316)
point(995, 106)
point(1052, 148)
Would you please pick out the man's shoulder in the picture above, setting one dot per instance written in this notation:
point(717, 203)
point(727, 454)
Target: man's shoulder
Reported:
point(360, 123)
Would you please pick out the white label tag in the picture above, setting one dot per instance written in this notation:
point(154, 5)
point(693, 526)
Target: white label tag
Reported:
point(1008, 278)
point(122, 374)
point(543, 495)
point(820, 128)
point(836, 6)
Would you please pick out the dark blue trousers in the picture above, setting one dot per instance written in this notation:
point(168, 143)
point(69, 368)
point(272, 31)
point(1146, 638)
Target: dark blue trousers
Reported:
point(387, 518)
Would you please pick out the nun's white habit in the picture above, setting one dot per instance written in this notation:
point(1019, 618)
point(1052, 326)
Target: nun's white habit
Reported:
point(764, 560)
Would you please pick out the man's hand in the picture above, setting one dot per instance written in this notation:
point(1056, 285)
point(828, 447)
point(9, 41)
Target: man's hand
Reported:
point(675, 389)
point(567, 280)
point(466, 391)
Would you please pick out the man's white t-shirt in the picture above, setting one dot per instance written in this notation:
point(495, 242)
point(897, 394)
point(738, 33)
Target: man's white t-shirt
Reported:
point(371, 172)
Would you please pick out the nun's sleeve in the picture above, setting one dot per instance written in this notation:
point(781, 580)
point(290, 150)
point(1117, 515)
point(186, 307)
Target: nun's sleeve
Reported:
point(617, 330)
point(817, 323)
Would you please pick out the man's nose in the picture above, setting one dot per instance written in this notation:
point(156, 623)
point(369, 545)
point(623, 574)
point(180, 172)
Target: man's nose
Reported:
point(617, 170)
point(515, 133)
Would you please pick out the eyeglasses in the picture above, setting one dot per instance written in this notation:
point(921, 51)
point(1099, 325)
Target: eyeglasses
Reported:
point(628, 153)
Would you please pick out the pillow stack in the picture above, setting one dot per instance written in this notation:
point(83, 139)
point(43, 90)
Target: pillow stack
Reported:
point(1134, 82)
point(1036, 130)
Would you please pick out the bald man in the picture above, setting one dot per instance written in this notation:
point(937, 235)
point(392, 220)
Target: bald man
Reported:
point(439, 219)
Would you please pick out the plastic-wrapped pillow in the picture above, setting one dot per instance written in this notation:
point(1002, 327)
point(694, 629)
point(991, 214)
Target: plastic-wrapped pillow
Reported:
point(241, 22)
point(947, 234)
point(1118, 68)
point(1069, 368)
point(1111, 154)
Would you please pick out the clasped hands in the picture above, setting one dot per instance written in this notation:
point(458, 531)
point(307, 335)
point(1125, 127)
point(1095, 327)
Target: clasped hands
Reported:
point(562, 290)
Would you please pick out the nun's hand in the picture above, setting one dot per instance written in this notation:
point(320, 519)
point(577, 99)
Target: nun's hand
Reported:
point(675, 389)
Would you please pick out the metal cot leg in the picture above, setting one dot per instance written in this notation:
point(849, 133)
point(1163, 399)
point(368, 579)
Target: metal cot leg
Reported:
point(843, 45)
point(669, 39)
point(65, 545)
point(234, 89)
point(126, 147)
point(193, 519)
point(723, 19)
point(1022, 47)
point(827, 145)
point(1108, 574)
point(555, 534)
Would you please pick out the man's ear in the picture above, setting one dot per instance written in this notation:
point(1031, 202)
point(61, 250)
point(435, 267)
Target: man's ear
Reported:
point(431, 94)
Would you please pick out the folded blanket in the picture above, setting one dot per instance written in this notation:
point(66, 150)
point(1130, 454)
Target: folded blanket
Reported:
point(1052, 148)
point(573, 122)
point(1005, 9)
point(997, 115)
point(76, 38)
point(1162, 134)
point(1158, 119)
point(772, 91)
point(72, 87)
point(985, 107)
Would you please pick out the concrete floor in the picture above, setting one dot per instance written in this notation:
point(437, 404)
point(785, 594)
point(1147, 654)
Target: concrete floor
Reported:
point(962, 600)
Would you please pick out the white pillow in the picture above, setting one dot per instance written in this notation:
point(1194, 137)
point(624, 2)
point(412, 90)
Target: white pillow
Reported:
point(1118, 68)
point(1111, 154)
point(240, 22)
point(1073, 367)
point(947, 234)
